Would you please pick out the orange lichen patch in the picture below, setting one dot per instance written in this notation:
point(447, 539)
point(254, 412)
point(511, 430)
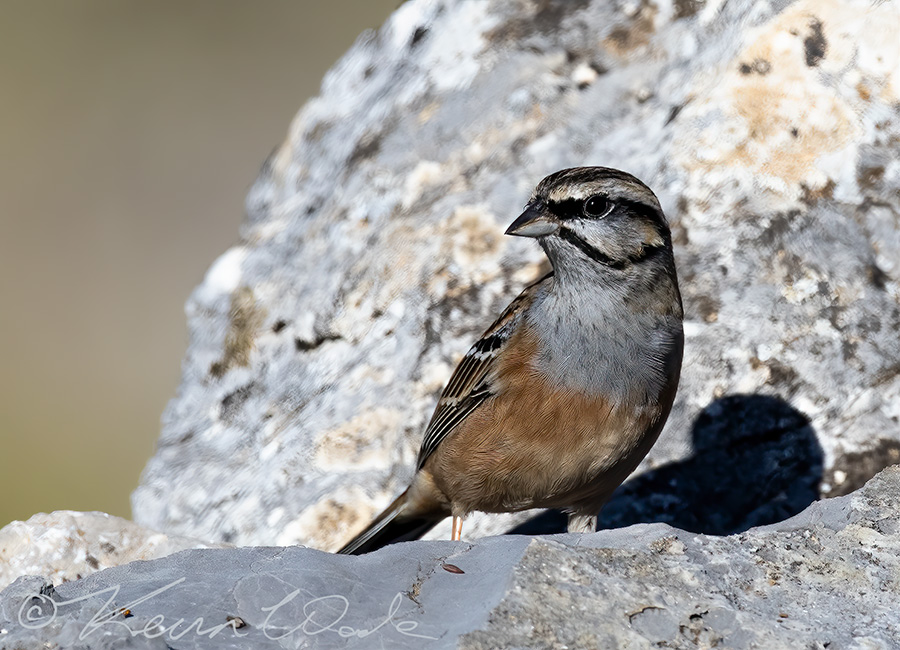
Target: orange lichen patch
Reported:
point(367, 441)
point(795, 93)
point(789, 116)
point(428, 112)
point(531, 272)
point(246, 317)
point(329, 523)
point(477, 236)
point(425, 176)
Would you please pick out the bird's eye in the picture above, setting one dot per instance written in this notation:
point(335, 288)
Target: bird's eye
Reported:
point(596, 206)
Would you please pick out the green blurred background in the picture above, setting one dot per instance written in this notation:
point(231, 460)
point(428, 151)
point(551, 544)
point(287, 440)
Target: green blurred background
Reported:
point(130, 132)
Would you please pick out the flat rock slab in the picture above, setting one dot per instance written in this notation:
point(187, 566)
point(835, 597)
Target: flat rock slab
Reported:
point(827, 578)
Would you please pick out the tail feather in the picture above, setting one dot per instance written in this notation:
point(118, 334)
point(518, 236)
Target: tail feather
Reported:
point(392, 525)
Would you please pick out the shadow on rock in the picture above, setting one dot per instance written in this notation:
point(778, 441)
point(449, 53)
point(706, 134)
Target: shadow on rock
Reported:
point(756, 461)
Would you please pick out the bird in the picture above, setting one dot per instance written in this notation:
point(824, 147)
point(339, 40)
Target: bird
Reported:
point(566, 392)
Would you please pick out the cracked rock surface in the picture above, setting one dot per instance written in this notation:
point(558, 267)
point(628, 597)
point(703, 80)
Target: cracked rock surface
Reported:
point(372, 256)
point(827, 578)
point(67, 545)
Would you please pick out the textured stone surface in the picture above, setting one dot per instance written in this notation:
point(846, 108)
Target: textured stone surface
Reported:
point(827, 578)
point(373, 255)
point(66, 545)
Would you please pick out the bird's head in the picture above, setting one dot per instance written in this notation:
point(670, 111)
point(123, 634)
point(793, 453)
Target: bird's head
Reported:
point(595, 215)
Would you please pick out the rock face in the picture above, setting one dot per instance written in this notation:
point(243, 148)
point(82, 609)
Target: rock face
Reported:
point(827, 578)
point(66, 545)
point(373, 255)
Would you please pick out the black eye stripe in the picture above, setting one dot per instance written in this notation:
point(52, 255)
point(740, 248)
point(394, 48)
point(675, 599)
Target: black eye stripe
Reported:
point(574, 209)
point(566, 209)
point(647, 212)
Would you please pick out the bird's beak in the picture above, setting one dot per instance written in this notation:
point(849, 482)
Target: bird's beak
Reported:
point(536, 221)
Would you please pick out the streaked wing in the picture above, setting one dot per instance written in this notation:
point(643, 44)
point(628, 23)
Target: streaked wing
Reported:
point(471, 383)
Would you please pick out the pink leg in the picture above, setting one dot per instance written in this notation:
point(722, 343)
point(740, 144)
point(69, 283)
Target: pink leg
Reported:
point(456, 529)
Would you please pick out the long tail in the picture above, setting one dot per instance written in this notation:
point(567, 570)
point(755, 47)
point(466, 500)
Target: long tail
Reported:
point(392, 525)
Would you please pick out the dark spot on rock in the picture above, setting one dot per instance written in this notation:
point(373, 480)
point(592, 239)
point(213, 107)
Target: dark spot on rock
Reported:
point(758, 66)
point(870, 324)
point(519, 144)
point(869, 177)
point(278, 326)
point(687, 8)
point(550, 14)
point(467, 301)
point(598, 67)
point(417, 36)
point(673, 113)
point(233, 401)
point(794, 131)
point(92, 561)
point(705, 307)
point(778, 227)
point(107, 548)
point(368, 147)
point(318, 132)
point(859, 467)
point(546, 18)
point(832, 312)
point(782, 376)
point(886, 374)
point(812, 196)
point(369, 71)
point(303, 345)
point(680, 235)
point(876, 275)
point(815, 44)
point(621, 36)
point(245, 319)
point(848, 350)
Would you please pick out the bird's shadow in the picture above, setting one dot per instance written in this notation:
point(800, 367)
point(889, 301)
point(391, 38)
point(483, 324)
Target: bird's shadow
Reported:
point(756, 460)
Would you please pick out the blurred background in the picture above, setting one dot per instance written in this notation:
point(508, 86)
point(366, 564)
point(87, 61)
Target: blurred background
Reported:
point(129, 134)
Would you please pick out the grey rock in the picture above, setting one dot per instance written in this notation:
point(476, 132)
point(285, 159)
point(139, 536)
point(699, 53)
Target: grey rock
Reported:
point(66, 545)
point(827, 578)
point(32, 620)
point(373, 255)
